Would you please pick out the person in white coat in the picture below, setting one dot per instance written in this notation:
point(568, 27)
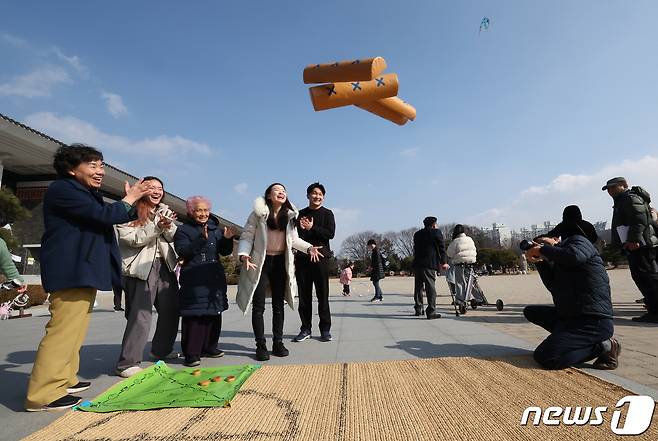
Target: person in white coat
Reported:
point(462, 253)
point(266, 251)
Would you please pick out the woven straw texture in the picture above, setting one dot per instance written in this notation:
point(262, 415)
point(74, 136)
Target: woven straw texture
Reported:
point(431, 399)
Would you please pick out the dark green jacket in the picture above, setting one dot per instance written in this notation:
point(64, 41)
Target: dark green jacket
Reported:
point(632, 209)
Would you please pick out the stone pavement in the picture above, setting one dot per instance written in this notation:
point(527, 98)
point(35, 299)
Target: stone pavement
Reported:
point(362, 331)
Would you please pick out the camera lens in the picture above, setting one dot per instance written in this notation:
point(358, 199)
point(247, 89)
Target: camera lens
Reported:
point(526, 244)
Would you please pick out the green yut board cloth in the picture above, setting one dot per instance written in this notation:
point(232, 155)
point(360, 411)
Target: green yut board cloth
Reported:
point(160, 386)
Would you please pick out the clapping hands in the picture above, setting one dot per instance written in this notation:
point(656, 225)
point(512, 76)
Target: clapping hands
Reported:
point(306, 223)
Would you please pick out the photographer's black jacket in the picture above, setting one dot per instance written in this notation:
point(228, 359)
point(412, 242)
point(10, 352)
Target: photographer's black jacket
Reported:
point(574, 274)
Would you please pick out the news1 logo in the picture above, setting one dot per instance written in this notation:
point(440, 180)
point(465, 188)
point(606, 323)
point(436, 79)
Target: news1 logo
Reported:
point(639, 414)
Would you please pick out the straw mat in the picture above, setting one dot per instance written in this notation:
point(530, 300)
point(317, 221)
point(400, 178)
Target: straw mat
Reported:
point(419, 399)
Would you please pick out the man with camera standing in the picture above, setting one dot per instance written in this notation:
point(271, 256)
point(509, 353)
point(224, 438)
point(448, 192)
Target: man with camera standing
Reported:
point(580, 322)
point(429, 255)
point(633, 232)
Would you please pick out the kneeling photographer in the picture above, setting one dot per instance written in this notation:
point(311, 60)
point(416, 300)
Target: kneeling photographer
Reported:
point(580, 323)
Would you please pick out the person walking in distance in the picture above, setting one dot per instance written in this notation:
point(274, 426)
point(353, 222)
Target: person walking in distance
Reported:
point(346, 278)
point(429, 255)
point(377, 270)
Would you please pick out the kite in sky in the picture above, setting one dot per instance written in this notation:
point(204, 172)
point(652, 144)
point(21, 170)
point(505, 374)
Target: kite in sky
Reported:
point(484, 24)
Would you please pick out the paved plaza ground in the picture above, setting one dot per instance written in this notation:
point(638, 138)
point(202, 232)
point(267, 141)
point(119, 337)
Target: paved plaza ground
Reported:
point(362, 331)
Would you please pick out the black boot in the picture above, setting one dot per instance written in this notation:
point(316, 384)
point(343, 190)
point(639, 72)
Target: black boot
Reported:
point(262, 353)
point(279, 350)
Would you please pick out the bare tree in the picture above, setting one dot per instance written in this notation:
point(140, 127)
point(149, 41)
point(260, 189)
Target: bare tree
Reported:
point(404, 242)
point(355, 247)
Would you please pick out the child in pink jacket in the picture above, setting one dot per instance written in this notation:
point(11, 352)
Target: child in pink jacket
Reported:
point(346, 278)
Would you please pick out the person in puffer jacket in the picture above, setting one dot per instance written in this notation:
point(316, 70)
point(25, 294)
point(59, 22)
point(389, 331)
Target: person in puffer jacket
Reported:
point(200, 242)
point(580, 320)
point(631, 218)
point(461, 253)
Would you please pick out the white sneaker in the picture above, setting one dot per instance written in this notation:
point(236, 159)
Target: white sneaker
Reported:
point(128, 372)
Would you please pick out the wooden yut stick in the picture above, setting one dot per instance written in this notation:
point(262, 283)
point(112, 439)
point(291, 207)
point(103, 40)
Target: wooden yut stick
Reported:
point(342, 71)
point(329, 96)
point(384, 113)
point(393, 104)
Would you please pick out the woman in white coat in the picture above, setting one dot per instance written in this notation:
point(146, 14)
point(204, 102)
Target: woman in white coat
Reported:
point(462, 253)
point(266, 251)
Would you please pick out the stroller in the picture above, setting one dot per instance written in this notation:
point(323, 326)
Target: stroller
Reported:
point(474, 296)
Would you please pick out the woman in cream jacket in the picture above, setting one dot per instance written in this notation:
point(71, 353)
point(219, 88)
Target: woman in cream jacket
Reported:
point(461, 252)
point(266, 251)
point(148, 263)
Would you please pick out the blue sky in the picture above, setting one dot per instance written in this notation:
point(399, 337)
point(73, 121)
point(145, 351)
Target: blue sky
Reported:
point(513, 124)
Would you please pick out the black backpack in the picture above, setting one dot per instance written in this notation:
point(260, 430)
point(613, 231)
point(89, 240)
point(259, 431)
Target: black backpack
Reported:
point(641, 192)
point(385, 262)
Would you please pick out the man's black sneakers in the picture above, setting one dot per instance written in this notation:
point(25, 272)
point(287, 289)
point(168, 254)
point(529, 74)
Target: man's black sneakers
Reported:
point(82, 385)
point(66, 402)
point(303, 335)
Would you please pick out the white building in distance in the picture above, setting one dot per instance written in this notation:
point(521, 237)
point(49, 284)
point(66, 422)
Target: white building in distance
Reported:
point(501, 235)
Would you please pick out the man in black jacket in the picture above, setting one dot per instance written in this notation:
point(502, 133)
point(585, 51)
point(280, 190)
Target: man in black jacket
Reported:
point(580, 322)
point(316, 226)
point(631, 218)
point(429, 253)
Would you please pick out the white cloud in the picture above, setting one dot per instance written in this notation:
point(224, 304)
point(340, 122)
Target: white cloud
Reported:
point(55, 68)
point(70, 129)
point(241, 188)
point(409, 153)
point(546, 202)
point(73, 61)
point(38, 83)
point(114, 104)
point(14, 41)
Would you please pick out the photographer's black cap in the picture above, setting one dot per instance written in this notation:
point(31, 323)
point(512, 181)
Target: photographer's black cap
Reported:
point(614, 181)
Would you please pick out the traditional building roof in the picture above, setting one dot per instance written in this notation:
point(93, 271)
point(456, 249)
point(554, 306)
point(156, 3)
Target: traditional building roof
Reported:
point(27, 152)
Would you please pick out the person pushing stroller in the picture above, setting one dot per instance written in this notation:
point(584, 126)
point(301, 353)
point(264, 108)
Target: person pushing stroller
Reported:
point(461, 253)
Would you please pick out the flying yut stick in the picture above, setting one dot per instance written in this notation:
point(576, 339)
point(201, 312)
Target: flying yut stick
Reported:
point(392, 109)
point(342, 71)
point(329, 96)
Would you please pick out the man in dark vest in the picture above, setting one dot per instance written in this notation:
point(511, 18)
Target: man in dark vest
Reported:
point(429, 255)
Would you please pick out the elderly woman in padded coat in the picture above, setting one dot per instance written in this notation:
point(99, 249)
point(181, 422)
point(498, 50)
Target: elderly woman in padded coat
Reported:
point(200, 242)
point(266, 250)
point(461, 252)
